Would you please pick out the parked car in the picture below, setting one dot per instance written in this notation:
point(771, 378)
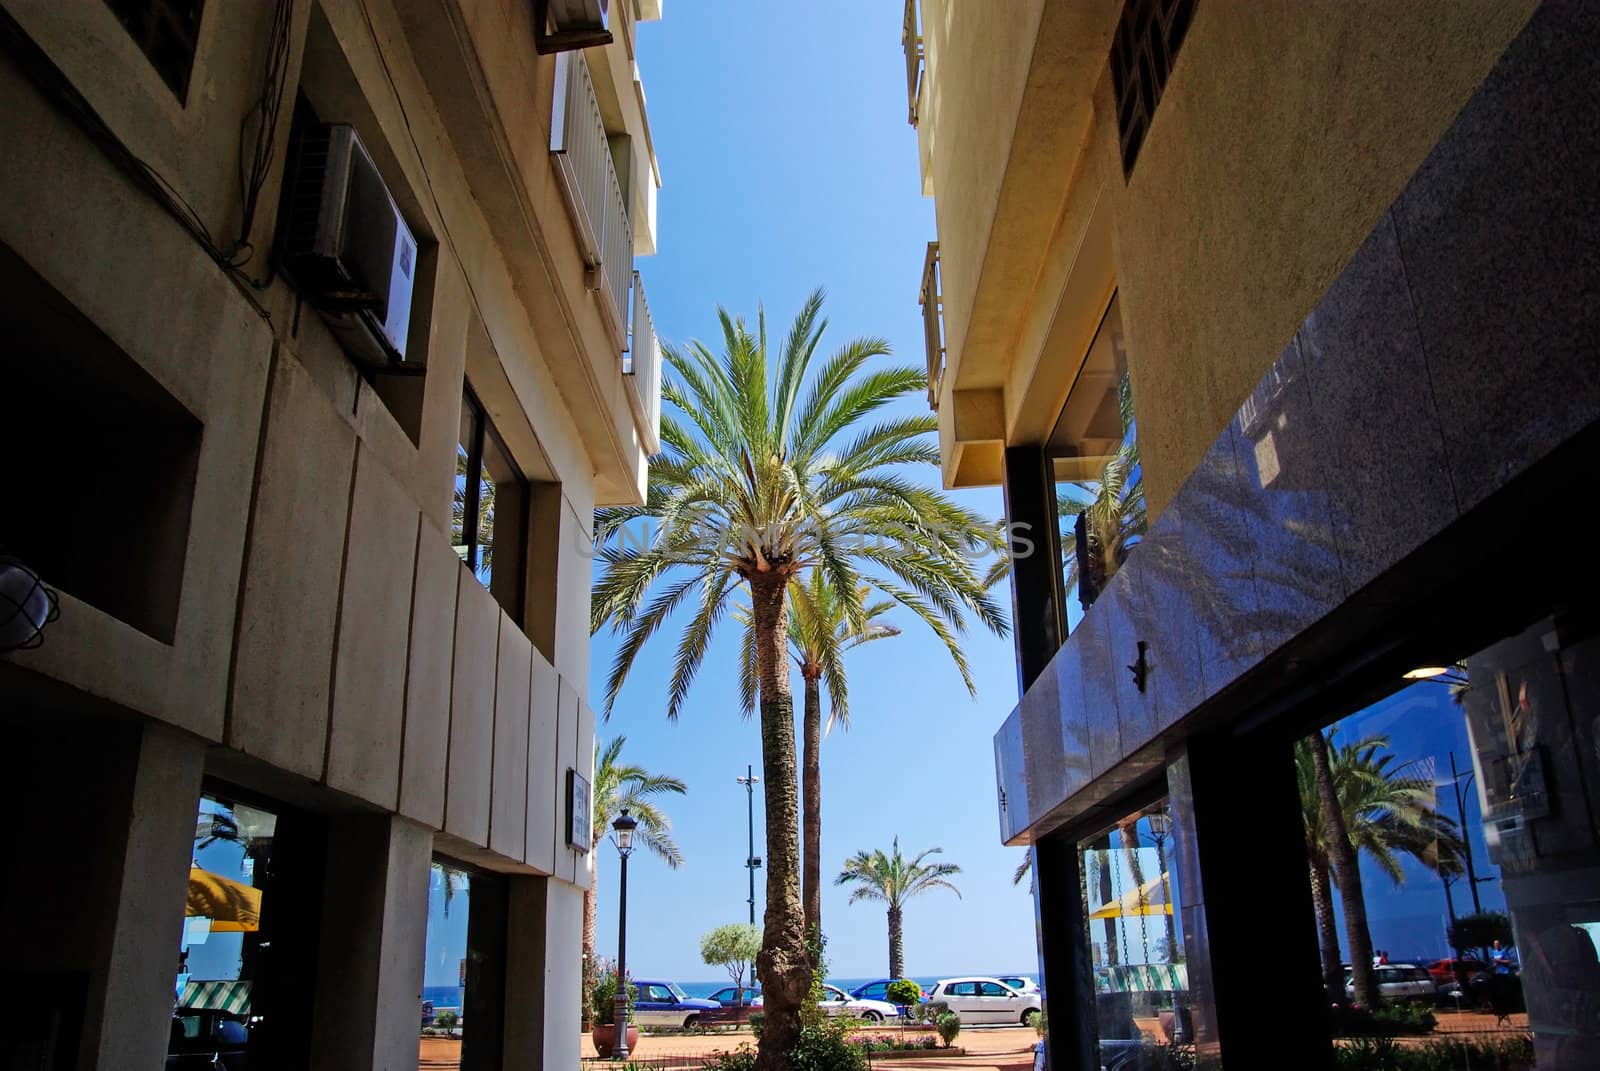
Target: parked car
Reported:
point(1396, 981)
point(1021, 984)
point(665, 1004)
point(879, 990)
point(1454, 973)
point(205, 1039)
point(733, 997)
point(986, 1000)
point(836, 1002)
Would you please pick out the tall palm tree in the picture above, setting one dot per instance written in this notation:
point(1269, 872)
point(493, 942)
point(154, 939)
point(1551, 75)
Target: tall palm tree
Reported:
point(618, 785)
point(1388, 810)
point(892, 880)
point(766, 471)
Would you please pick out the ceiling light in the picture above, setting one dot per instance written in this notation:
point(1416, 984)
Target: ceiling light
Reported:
point(1422, 673)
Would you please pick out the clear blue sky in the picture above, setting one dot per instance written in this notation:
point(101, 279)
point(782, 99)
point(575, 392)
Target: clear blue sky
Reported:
point(787, 163)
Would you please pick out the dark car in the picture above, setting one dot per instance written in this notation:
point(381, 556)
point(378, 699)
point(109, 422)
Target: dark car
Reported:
point(664, 1004)
point(879, 990)
point(733, 997)
point(208, 1040)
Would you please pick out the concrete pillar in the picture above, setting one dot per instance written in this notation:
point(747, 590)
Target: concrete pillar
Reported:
point(1035, 579)
point(153, 860)
point(1244, 886)
point(544, 954)
point(1064, 966)
point(374, 925)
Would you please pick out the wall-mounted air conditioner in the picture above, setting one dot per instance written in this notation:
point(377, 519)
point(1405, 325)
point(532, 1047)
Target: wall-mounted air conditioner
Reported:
point(564, 25)
point(346, 245)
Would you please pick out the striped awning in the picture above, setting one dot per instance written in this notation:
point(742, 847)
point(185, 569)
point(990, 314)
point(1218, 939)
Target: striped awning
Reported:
point(219, 996)
point(1143, 978)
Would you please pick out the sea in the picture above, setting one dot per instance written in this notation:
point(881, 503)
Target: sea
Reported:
point(449, 996)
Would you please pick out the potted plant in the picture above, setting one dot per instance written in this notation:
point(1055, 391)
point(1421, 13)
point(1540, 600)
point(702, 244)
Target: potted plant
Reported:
point(604, 1009)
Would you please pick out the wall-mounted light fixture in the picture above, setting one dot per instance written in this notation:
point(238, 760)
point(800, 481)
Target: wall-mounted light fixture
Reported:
point(26, 606)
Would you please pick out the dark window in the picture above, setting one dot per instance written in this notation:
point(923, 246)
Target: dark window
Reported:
point(990, 989)
point(1143, 53)
point(168, 32)
point(490, 510)
point(962, 989)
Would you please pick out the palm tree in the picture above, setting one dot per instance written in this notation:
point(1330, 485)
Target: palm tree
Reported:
point(619, 785)
point(892, 880)
point(1112, 508)
point(756, 483)
point(1387, 810)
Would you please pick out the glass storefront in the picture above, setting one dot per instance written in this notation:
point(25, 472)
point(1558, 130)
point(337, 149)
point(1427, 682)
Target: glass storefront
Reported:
point(444, 972)
point(1135, 942)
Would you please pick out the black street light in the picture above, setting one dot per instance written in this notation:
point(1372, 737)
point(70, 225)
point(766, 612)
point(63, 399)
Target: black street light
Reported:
point(1473, 881)
point(1160, 823)
point(752, 862)
point(622, 837)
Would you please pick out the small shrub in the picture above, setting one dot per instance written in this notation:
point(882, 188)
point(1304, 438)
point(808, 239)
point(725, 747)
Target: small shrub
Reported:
point(948, 1025)
point(603, 1001)
point(446, 1021)
point(826, 1047)
point(905, 992)
point(1386, 1054)
point(1039, 1026)
point(741, 1059)
point(756, 1019)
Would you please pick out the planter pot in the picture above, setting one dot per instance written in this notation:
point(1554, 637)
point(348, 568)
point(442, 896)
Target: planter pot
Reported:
point(605, 1039)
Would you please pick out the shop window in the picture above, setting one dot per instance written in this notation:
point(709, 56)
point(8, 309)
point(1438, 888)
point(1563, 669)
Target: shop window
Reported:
point(1453, 857)
point(168, 32)
point(248, 951)
point(463, 978)
point(1142, 1005)
point(1098, 482)
point(489, 516)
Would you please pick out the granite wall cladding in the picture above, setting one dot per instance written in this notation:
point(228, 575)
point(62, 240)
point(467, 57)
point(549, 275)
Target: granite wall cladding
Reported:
point(1458, 347)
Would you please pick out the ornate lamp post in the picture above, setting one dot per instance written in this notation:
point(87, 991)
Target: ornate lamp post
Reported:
point(752, 862)
point(1160, 824)
point(622, 837)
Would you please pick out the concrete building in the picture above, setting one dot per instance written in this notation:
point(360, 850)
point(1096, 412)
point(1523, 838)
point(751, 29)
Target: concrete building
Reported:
point(323, 342)
point(1277, 324)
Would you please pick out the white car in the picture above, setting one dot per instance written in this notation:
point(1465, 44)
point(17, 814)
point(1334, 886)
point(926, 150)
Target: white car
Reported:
point(1396, 981)
point(1020, 984)
point(986, 1000)
point(836, 1002)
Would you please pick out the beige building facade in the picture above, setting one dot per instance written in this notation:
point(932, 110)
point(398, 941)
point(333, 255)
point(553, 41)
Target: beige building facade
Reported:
point(328, 314)
point(1274, 320)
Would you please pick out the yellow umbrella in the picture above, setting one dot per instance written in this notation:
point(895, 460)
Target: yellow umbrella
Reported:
point(232, 906)
point(1149, 899)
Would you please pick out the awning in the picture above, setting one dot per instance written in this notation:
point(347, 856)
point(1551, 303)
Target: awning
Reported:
point(232, 906)
point(221, 996)
point(1148, 899)
point(1143, 978)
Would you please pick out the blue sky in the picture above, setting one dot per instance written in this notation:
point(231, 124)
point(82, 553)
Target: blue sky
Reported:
point(787, 164)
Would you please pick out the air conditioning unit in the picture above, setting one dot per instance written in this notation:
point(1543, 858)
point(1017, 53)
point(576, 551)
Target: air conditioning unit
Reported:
point(566, 25)
point(346, 245)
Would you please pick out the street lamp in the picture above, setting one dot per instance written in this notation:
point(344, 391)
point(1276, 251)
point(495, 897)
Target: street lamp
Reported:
point(1473, 881)
point(622, 837)
point(752, 862)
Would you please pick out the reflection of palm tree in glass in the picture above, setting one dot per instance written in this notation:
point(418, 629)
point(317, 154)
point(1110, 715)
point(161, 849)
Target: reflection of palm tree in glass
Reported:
point(479, 553)
point(1388, 811)
point(1112, 508)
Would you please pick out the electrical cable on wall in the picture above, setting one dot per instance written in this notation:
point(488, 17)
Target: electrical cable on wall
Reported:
point(256, 157)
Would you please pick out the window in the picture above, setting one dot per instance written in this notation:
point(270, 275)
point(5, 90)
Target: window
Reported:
point(463, 975)
point(990, 989)
point(1098, 487)
point(962, 989)
point(168, 32)
point(490, 510)
point(1141, 979)
point(1143, 53)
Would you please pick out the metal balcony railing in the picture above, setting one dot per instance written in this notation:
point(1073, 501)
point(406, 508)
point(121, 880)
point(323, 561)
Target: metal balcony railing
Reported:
point(642, 367)
point(594, 194)
point(931, 298)
point(911, 41)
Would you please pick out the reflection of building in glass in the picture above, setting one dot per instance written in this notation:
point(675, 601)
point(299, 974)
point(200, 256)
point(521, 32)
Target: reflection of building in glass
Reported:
point(1340, 273)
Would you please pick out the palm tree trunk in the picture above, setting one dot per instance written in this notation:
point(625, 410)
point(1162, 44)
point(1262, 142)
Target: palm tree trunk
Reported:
point(589, 896)
point(1327, 928)
point(783, 968)
point(1347, 874)
point(811, 872)
point(897, 959)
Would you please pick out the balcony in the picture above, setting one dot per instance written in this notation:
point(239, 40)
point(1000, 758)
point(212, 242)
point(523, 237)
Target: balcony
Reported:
point(911, 41)
point(932, 301)
point(593, 192)
point(641, 366)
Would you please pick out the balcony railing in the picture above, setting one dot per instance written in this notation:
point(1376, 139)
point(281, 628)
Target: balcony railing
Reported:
point(911, 41)
point(642, 367)
point(931, 298)
point(593, 192)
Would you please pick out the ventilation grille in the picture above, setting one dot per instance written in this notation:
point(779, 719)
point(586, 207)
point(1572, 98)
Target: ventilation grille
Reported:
point(1143, 53)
